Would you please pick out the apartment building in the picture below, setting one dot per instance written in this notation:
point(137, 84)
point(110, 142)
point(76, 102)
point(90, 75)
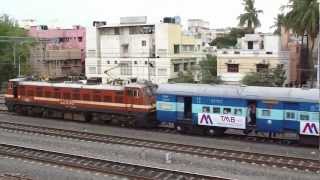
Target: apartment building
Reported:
point(135, 49)
point(255, 52)
point(59, 52)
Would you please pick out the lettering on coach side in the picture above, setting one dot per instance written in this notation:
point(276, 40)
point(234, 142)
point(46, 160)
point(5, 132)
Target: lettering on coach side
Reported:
point(309, 128)
point(228, 121)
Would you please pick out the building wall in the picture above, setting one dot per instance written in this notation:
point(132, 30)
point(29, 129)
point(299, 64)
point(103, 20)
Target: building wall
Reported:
point(247, 64)
point(59, 53)
point(266, 50)
point(155, 60)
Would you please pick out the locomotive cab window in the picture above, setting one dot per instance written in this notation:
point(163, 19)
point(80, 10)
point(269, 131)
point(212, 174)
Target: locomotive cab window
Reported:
point(216, 110)
point(133, 92)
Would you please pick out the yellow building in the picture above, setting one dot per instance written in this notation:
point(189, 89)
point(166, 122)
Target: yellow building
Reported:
point(256, 53)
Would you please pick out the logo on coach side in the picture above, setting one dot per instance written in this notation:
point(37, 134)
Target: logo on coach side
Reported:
point(309, 128)
point(206, 118)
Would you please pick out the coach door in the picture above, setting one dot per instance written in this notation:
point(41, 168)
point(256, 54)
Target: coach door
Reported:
point(184, 108)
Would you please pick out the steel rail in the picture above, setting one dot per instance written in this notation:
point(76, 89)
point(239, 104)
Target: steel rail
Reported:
point(132, 171)
point(294, 163)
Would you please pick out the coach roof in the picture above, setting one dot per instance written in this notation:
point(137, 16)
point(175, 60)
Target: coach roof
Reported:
point(245, 92)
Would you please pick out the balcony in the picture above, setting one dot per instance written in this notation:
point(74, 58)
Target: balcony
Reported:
point(251, 53)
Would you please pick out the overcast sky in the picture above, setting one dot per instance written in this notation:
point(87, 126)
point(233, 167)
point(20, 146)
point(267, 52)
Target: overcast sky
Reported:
point(220, 13)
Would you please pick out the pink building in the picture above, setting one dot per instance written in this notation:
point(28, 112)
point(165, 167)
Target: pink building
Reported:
point(60, 53)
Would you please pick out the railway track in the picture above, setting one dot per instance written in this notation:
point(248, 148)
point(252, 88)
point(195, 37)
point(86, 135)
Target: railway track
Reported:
point(132, 171)
point(286, 162)
point(229, 136)
point(9, 176)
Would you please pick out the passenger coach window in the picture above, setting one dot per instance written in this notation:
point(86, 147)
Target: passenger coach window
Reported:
point(216, 110)
point(205, 109)
point(304, 116)
point(238, 112)
point(226, 110)
point(290, 115)
point(266, 112)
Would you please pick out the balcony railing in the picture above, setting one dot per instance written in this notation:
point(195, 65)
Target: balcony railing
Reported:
point(254, 53)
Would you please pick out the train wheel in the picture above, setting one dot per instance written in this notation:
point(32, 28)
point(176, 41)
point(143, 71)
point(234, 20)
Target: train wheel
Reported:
point(215, 131)
point(179, 128)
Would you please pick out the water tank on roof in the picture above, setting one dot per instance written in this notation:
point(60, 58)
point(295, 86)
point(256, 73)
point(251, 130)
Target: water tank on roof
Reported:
point(177, 19)
point(170, 20)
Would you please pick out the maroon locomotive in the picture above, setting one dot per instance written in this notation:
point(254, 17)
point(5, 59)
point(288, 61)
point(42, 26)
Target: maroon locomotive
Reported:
point(129, 105)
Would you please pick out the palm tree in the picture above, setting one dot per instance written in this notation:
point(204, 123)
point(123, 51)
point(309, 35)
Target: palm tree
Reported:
point(249, 18)
point(279, 22)
point(303, 19)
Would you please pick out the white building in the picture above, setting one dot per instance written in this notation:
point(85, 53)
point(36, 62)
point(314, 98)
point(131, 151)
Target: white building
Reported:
point(255, 52)
point(135, 49)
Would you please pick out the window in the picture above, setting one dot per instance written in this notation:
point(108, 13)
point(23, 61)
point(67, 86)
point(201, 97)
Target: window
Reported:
point(176, 68)
point(250, 44)
point(262, 67)
point(304, 116)
point(216, 110)
point(143, 43)
point(133, 92)
point(146, 62)
point(206, 109)
point(234, 68)
point(108, 62)
point(185, 66)
point(266, 112)
point(226, 110)
point(92, 70)
point(116, 31)
point(162, 71)
point(135, 62)
point(176, 49)
point(80, 39)
point(290, 115)
point(115, 62)
point(237, 112)
point(126, 68)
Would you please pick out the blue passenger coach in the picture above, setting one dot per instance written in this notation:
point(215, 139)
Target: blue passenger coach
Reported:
point(215, 108)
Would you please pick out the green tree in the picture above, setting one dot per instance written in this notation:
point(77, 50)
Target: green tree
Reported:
point(279, 22)
point(272, 78)
point(229, 40)
point(303, 19)
point(208, 70)
point(249, 18)
point(9, 28)
point(183, 77)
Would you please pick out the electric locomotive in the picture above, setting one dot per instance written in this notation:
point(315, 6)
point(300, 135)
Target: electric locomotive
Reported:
point(129, 105)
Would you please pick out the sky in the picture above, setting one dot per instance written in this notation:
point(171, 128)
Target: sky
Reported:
point(64, 13)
